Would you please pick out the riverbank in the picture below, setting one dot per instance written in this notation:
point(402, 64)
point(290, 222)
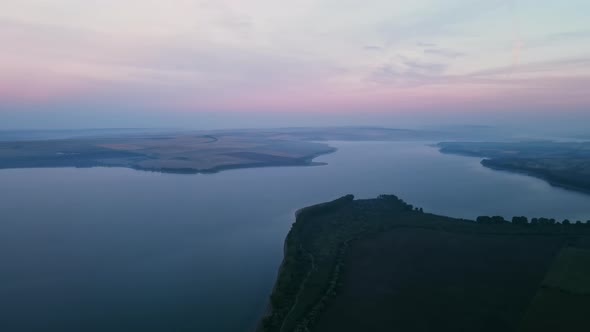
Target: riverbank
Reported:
point(561, 164)
point(553, 180)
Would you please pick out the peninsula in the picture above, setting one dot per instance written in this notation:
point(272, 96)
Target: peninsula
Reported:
point(176, 153)
point(384, 265)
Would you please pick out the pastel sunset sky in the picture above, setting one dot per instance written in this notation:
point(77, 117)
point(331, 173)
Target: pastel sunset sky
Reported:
point(75, 63)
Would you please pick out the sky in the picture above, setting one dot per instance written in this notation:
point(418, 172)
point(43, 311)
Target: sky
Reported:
point(248, 63)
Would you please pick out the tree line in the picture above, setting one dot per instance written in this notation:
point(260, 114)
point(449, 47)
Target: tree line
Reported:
point(521, 220)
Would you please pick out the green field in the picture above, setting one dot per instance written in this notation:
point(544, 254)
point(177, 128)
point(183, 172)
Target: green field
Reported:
point(563, 301)
point(383, 265)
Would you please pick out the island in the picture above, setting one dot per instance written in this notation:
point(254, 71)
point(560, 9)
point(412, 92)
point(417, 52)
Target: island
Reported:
point(562, 164)
point(384, 265)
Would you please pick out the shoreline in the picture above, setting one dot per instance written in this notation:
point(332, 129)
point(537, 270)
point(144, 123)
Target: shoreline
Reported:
point(553, 183)
point(268, 309)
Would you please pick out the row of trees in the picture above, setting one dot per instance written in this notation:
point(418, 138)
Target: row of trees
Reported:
point(331, 291)
point(525, 221)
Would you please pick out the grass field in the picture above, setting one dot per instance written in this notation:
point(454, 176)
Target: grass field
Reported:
point(430, 280)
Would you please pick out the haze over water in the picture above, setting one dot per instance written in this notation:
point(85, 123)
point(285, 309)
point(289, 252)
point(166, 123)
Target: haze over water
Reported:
point(112, 249)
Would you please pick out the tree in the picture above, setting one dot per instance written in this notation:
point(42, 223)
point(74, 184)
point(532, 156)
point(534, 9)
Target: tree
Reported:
point(566, 222)
point(484, 220)
point(520, 220)
point(545, 221)
point(498, 220)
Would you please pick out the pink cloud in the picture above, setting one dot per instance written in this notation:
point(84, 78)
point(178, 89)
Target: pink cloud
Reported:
point(38, 89)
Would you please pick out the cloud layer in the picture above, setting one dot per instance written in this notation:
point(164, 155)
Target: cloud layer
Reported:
point(325, 56)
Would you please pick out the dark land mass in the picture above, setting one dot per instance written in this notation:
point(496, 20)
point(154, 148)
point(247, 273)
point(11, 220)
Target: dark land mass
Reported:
point(186, 151)
point(563, 164)
point(384, 265)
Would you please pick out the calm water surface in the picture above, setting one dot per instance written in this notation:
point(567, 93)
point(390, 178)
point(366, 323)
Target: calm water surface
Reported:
point(113, 249)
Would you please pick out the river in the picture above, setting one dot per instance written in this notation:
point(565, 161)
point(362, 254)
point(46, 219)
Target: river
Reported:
point(114, 249)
